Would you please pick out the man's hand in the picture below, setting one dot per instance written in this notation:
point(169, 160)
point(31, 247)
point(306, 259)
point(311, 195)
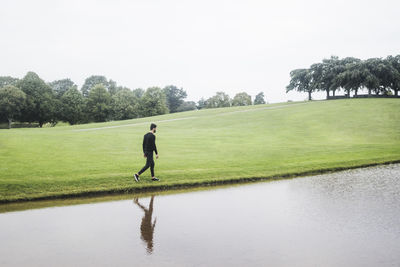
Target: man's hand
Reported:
point(157, 156)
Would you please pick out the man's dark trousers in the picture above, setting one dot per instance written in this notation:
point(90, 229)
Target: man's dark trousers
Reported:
point(149, 163)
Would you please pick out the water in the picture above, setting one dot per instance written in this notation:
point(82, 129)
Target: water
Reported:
point(350, 218)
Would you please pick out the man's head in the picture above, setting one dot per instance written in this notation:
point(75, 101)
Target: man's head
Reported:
point(153, 127)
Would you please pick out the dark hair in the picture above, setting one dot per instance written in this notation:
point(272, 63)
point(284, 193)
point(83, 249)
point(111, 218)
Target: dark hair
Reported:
point(152, 126)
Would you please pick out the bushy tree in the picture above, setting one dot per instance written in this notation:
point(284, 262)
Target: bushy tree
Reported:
point(174, 96)
point(39, 105)
point(186, 106)
point(92, 81)
point(241, 99)
point(202, 103)
point(112, 87)
point(153, 102)
point(221, 99)
point(301, 81)
point(394, 63)
point(259, 99)
point(7, 80)
point(125, 105)
point(138, 93)
point(12, 100)
point(351, 74)
point(61, 86)
point(73, 106)
point(99, 104)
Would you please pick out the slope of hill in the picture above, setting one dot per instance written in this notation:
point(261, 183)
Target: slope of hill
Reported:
point(200, 147)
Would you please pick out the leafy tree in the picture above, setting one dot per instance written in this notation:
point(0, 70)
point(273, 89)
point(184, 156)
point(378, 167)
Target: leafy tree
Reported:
point(119, 88)
point(387, 74)
point(340, 79)
point(186, 106)
point(374, 70)
point(201, 104)
point(174, 97)
point(153, 102)
point(138, 93)
point(61, 86)
point(221, 99)
point(99, 103)
point(40, 105)
point(7, 80)
point(241, 99)
point(73, 106)
point(92, 81)
point(125, 105)
point(323, 74)
point(394, 63)
point(260, 99)
point(12, 100)
point(301, 81)
point(331, 70)
point(112, 87)
point(355, 75)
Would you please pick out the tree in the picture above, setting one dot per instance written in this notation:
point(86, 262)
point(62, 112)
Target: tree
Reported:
point(343, 72)
point(61, 86)
point(260, 99)
point(301, 81)
point(73, 106)
point(98, 103)
point(153, 102)
point(394, 62)
point(93, 81)
point(11, 102)
point(138, 93)
point(125, 105)
point(174, 96)
point(323, 74)
point(221, 99)
point(331, 70)
point(186, 106)
point(374, 77)
point(112, 87)
point(7, 80)
point(241, 99)
point(201, 104)
point(356, 75)
point(39, 105)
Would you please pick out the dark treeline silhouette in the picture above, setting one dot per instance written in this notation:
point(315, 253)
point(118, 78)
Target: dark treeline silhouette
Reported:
point(32, 100)
point(375, 75)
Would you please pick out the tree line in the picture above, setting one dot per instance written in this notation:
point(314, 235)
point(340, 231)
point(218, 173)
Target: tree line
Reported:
point(31, 99)
point(379, 76)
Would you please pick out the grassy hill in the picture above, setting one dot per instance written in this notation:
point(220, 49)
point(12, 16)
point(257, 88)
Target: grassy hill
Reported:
point(200, 147)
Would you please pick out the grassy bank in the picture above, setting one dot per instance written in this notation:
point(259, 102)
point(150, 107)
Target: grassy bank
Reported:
point(207, 146)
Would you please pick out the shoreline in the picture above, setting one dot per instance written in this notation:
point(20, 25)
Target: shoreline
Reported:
point(189, 185)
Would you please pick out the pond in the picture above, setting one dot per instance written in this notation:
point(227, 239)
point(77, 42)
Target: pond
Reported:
point(349, 218)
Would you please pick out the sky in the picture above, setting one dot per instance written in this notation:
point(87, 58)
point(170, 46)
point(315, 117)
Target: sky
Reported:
point(201, 46)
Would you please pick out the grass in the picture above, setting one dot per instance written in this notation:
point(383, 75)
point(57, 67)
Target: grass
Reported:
point(199, 147)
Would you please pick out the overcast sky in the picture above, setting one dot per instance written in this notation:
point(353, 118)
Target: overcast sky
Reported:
point(202, 46)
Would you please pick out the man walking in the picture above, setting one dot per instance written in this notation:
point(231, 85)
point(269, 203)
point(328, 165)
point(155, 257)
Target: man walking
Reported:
point(149, 145)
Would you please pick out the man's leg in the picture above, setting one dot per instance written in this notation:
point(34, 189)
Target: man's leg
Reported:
point(152, 167)
point(149, 159)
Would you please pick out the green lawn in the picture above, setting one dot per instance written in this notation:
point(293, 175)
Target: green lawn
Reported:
point(199, 147)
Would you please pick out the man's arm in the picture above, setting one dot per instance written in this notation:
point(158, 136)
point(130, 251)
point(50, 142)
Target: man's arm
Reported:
point(155, 147)
point(144, 143)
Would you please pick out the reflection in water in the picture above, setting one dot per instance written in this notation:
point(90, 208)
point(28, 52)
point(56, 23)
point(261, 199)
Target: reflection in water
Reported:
point(345, 219)
point(147, 226)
